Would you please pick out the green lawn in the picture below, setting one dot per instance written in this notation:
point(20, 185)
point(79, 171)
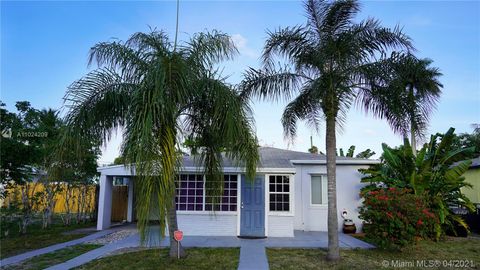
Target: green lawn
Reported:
point(431, 253)
point(197, 258)
point(37, 238)
point(52, 258)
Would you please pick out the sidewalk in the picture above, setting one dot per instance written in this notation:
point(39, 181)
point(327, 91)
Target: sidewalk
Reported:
point(96, 253)
point(37, 252)
point(252, 251)
point(253, 255)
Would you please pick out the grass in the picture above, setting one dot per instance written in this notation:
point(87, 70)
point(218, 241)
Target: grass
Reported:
point(52, 258)
point(37, 237)
point(197, 258)
point(430, 253)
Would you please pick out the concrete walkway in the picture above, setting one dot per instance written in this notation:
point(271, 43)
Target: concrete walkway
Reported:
point(252, 255)
point(252, 251)
point(97, 253)
point(37, 252)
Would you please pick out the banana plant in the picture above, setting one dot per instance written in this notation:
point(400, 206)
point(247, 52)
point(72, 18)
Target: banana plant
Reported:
point(435, 172)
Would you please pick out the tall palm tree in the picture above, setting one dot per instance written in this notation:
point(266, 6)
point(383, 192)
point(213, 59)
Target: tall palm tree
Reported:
point(160, 93)
point(412, 94)
point(332, 63)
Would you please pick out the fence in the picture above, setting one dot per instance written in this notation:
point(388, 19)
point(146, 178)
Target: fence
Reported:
point(67, 198)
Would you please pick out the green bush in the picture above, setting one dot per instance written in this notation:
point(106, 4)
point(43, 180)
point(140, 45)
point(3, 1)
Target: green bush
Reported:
point(435, 171)
point(396, 218)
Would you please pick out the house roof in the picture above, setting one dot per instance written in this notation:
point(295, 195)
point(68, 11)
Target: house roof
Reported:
point(475, 163)
point(271, 157)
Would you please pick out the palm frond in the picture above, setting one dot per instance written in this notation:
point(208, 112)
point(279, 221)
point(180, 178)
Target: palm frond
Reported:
point(209, 48)
point(287, 42)
point(98, 103)
point(271, 83)
point(303, 107)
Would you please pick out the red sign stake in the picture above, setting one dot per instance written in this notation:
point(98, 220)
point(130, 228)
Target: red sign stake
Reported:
point(178, 236)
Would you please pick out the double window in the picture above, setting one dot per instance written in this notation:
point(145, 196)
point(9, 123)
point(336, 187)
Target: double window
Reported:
point(318, 190)
point(279, 193)
point(191, 195)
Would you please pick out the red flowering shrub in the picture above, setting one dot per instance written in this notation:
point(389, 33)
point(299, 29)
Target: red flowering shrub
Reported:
point(396, 218)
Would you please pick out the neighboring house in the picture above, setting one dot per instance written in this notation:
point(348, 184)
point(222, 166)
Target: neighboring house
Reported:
point(289, 193)
point(472, 176)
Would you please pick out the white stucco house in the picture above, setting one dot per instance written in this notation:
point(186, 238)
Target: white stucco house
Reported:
point(289, 193)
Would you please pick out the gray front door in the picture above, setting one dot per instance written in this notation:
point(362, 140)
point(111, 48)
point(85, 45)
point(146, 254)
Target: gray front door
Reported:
point(252, 212)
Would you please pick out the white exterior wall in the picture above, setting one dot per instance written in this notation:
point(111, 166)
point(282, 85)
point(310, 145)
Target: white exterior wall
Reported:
point(208, 224)
point(310, 217)
point(105, 202)
point(280, 226)
point(303, 216)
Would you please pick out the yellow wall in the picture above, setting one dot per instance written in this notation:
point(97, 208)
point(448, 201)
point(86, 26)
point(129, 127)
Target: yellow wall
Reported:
point(59, 197)
point(472, 176)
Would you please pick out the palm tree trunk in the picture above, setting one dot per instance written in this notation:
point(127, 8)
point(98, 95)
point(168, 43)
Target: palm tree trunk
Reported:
point(176, 249)
point(333, 253)
point(412, 124)
point(413, 140)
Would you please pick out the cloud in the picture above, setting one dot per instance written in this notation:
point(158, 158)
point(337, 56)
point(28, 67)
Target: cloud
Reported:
point(241, 44)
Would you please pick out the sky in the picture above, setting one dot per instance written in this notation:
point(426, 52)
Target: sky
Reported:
point(45, 44)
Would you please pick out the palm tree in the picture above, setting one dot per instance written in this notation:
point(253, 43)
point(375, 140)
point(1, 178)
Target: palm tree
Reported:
point(160, 93)
point(412, 94)
point(334, 62)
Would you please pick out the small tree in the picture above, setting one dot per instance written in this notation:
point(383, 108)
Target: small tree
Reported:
point(47, 201)
point(18, 154)
point(29, 198)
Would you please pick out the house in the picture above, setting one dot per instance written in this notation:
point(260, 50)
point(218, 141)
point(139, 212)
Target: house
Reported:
point(472, 176)
point(289, 193)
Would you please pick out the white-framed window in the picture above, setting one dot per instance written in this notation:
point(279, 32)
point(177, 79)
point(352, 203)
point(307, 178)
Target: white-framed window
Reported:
point(279, 192)
point(318, 190)
point(228, 202)
point(189, 190)
point(191, 195)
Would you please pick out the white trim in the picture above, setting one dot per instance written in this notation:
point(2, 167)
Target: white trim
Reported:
point(265, 223)
point(239, 200)
point(204, 193)
point(338, 162)
point(128, 169)
point(200, 170)
point(109, 167)
point(314, 205)
point(213, 213)
point(302, 201)
point(291, 202)
point(130, 205)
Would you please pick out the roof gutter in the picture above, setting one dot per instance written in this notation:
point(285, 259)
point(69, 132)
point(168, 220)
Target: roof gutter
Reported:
point(200, 169)
point(339, 162)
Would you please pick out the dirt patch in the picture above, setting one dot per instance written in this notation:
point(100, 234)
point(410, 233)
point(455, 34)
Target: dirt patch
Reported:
point(113, 237)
